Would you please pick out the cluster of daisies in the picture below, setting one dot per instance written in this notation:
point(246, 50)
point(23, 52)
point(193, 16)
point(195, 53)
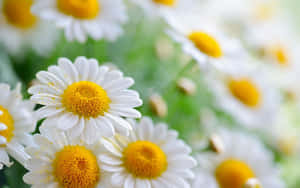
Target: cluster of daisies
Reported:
point(89, 134)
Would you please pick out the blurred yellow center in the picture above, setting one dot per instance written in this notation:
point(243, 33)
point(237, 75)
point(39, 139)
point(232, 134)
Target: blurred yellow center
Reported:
point(76, 167)
point(17, 13)
point(81, 9)
point(166, 2)
point(245, 91)
point(206, 44)
point(233, 174)
point(265, 11)
point(86, 99)
point(145, 159)
point(7, 120)
point(281, 55)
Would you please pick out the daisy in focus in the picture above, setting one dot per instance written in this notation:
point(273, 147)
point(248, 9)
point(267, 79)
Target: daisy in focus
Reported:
point(85, 99)
point(152, 156)
point(58, 161)
point(248, 96)
point(245, 162)
point(20, 30)
point(201, 39)
point(80, 19)
point(16, 124)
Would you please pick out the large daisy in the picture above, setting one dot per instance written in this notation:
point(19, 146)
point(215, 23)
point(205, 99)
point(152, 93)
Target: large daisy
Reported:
point(86, 100)
point(247, 95)
point(200, 38)
point(20, 30)
point(16, 123)
point(80, 19)
point(151, 157)
point(58, 161)
point(244, 161)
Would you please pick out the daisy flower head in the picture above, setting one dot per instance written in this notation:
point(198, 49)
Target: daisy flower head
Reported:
point(248, 95)
point(85, 99)
point(152, 156)
point(202, 41)
point(236, 167)
point(16, 123)
point(80, 19)
point(20, 30)
point(58, 161)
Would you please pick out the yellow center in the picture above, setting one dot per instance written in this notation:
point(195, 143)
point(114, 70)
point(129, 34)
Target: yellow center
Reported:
point(245, 91)
point(86, 99)
point(17, 13)
point(280, 55)
point(145, 159)
point(233, 174)
point(76, 167)
point(6, 119)
point(165, 2)
point(206, 44)
point(264, 11)
point(81, 9)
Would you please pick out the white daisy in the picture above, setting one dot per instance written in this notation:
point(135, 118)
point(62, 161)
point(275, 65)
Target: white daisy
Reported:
point(16, 124)
point(200, 38)
point(58, 161)
point(244, 160)
point(86, 100)
point(151, 157)
point(248, 96)
point(20, 30)
point(80, 19)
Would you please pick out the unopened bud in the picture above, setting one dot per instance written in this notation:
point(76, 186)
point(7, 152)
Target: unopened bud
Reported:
point(158, 105)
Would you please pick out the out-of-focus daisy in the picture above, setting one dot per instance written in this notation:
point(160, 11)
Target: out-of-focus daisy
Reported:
point(236, 166)
point(20, 30)
point(80, 19)
point(58, 161)
point(202, 39)
point(86, 100)
point(151, 156)
point(16, 124)
point(248, 96)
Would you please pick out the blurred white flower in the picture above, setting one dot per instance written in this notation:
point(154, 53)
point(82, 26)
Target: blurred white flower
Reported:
point(152, 156)
point(16, 123)
point(80, 19)
point(86, 100)
point(20, 30)
point(244, 159)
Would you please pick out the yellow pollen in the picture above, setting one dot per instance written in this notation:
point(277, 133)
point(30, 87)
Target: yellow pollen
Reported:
point(233, 174)
point(245, 91)
point(81, 9)
point(76, 167)
point(17, 13)
point(86, 99)
point(144, 159)
point(166, 2)
point(206, 44)
point(7, 119)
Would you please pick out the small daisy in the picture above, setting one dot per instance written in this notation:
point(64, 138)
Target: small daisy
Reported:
point(151, 157)
point(20, 30)
point(248, 96)
point(85, 99)
point(202, 39)
point(58, 161)
point(244, 161)
point(80, 19)
point(16, 124)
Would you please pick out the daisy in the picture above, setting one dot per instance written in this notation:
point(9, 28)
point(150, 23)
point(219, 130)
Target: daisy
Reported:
point(247, 95)
point(151, 157)
point(16, 123)
point(58, 161)
point(201, 39)
point(80, 19)
point(20, 30)
point(86, 100)
point(245, 161)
